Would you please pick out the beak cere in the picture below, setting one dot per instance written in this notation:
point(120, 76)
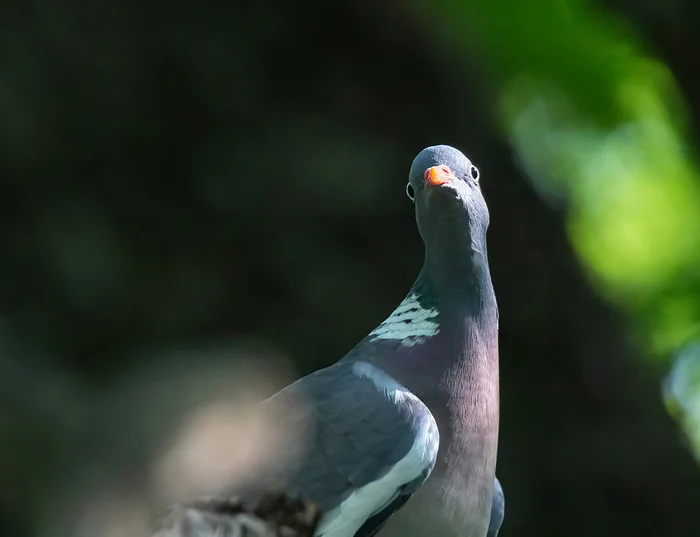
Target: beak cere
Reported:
point(438, 175)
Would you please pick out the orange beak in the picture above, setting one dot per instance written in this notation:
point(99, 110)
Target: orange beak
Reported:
point(438, 175)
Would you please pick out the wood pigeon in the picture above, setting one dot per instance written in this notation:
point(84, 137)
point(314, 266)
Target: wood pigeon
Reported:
point(413, 409)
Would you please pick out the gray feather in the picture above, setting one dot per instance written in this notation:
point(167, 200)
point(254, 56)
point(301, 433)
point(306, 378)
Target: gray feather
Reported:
point(498, 510)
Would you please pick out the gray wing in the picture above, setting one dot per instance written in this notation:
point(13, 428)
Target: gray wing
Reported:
point(370, 445)
point(498, 510)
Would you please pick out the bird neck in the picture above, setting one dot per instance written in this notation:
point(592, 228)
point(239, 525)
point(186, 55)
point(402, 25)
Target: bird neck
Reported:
point(458, 281)
point(448, 322)
point(456, 372)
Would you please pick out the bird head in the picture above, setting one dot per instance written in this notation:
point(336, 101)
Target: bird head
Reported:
point(451, 212)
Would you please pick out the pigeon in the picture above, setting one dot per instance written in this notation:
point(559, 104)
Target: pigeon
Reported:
point(412, 411)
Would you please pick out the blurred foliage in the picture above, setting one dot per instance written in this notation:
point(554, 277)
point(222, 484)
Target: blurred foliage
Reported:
point(211, 177)
point(599, 123)
point(607, 136)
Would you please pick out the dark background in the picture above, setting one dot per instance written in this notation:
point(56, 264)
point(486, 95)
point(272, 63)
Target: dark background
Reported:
point(184, 181)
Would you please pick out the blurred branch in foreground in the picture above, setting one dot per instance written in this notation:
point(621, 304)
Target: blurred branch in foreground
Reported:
point(274, 515)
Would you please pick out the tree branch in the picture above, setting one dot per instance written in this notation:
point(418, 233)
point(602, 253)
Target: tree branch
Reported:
point(274, 515)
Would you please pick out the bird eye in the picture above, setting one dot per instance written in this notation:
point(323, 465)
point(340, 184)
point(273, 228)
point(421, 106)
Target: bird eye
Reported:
point(410, 192)
point(474, 173)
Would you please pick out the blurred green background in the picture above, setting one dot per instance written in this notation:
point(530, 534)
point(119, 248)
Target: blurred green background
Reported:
point(192, 192)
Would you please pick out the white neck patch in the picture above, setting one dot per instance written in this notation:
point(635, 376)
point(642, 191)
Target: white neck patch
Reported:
point(410, 322)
